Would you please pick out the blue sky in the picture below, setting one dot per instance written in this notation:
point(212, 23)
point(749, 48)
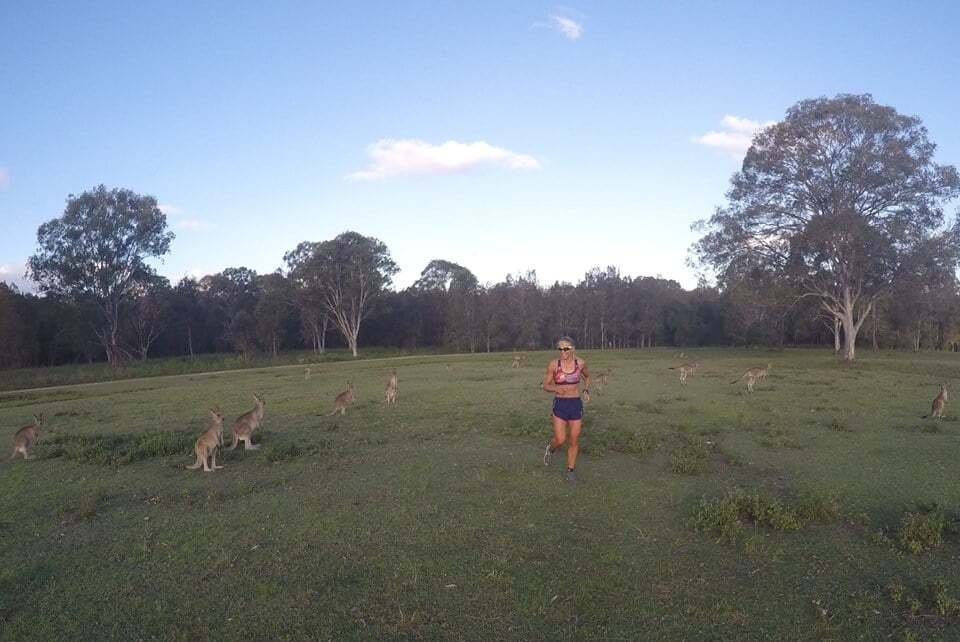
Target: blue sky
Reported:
point(504, 136)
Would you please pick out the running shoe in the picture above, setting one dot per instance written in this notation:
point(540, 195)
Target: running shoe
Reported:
point(547, 454)
point(571, 476)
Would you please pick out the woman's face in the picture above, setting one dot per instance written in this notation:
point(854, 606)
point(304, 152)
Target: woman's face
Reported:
point(566, 349)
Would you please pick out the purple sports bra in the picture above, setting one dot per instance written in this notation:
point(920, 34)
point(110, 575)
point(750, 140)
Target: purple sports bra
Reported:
point(561, 377)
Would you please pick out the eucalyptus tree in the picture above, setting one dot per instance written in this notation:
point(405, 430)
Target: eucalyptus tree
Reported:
point(834, 197)
point(344, 275)
point(457, 288)
point(98, 251)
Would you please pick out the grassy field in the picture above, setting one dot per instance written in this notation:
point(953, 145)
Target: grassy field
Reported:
point(69, 374)
point(820, 507)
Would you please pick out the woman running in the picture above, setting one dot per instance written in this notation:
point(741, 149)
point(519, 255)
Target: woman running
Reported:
point(563, 378)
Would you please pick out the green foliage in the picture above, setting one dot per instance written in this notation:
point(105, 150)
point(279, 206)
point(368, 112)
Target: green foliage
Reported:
point(818, 507)
point(933, 598)
point(922, 531)
point(120, 449)
point(726, 516)
point(98, 251)
point(692, 457)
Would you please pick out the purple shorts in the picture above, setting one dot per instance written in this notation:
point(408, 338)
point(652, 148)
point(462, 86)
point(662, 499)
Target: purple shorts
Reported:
point(568, 408)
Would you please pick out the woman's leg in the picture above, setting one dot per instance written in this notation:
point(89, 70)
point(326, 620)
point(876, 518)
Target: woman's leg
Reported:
point(573, 443)
point(559, 433)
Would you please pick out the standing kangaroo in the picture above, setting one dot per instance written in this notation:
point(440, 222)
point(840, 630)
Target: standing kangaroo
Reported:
point(209, 441)
point(246, 423)
point(391, 391)
point(342, 400)
point(753, 375)
point(686, 370)
point(26, 437)
point(939, 402)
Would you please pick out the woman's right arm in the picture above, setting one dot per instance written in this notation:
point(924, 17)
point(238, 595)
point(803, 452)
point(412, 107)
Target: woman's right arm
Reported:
point(548, 383)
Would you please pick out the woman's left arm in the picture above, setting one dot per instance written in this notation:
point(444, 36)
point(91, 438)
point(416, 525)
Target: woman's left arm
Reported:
point(585, 377)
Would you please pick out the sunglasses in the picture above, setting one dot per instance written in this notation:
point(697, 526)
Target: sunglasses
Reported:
point(564, 349)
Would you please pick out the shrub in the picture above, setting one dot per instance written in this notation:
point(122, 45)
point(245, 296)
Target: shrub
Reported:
point(818, 507)
point(725, 516)
point(120, 449)
point(922, 531)
point(691, 458)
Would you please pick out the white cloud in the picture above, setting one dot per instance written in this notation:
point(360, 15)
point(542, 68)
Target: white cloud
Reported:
point(737, 135)
point(570, 28)
point(192, 224)
point(15, 274)
point(413, 157)
point(168, 209)
point(4, 177)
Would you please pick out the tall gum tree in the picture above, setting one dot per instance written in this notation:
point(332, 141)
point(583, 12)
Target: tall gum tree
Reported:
point(98, 251)
point(346, 274)
point(835, 198)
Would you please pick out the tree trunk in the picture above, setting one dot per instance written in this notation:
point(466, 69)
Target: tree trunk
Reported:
point(836, 335)
point(323, 334)
point(190, 339)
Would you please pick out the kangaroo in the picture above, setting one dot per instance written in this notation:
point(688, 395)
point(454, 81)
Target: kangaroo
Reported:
point(306, 373)
point(26, 437)
point(601, 382)
point(518, 360)
point(246, 423)
point(939, 402)
point(686, 370)
point(343, 400)
point(753, 375)
point(391, 391)
point(209, 441)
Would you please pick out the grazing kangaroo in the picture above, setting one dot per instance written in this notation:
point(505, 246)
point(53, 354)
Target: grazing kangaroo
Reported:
point(686, 370)
point(209, 441)
point(518, 360)
point(26, 437)
point(391, 391)
point(343, 400)
point(753, 375)
point(939, 402)
point(246, 423)
point(601, 382)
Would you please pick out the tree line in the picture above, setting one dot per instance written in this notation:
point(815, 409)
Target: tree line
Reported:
point(833, 233)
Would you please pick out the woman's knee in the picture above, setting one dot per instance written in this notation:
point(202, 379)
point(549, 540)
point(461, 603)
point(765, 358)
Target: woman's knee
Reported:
point(560, 439)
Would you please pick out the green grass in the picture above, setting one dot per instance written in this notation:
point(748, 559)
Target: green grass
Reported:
point(64, 375)
point(818, 507)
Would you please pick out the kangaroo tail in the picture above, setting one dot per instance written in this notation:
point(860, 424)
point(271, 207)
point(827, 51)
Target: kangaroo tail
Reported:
point(672, 368)
point(736, 380)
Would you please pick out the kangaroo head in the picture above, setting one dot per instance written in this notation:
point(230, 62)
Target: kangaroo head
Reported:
point(38, 420)
point(216, 415)
point(259, 400)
